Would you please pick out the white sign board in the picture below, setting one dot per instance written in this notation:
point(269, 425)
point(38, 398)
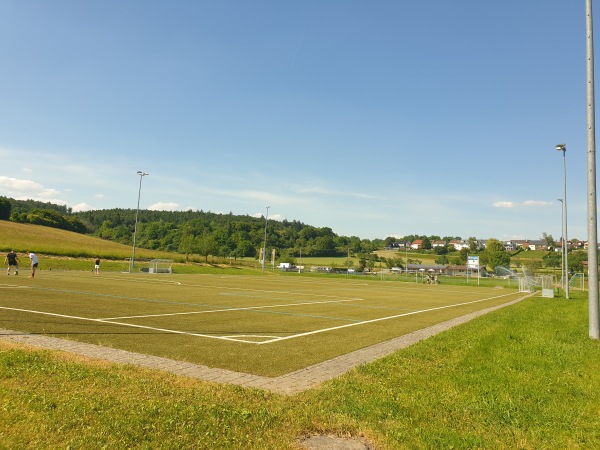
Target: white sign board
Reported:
point(473, 262)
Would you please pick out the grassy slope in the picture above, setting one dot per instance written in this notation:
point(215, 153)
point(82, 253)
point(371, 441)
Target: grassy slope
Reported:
point(51, 241)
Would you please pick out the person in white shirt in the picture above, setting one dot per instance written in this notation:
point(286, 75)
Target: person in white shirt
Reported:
point(34, 263)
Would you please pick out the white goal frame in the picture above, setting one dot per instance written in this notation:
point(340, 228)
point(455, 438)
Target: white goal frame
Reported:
point(160, 266)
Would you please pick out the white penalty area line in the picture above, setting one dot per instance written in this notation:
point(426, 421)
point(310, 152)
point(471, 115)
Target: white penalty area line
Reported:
point(380, 319)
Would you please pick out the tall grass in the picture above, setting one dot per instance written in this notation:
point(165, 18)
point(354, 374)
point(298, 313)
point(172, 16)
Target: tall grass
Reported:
point(52, 241)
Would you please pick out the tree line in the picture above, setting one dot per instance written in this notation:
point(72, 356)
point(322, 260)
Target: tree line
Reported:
point(242, 236)
point(192, 232)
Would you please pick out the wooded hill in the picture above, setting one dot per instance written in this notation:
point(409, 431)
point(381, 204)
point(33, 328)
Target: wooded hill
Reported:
point(193, 232)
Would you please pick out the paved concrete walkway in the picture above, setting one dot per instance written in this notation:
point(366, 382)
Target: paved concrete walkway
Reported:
point(288, 384)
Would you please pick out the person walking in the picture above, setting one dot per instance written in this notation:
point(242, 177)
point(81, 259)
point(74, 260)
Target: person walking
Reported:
point(97, 265)
point(34, 263)
point(13, 261)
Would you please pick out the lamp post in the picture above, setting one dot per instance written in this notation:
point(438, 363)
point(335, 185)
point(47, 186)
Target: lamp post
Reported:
point(265, 243)
point(142, 175)
point(562, 245)
point(563, 148)
point(593, 306)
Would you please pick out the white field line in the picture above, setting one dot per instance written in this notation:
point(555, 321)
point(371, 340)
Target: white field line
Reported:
point(231, 309)
point(228, 338)
point(225, 338)
point(308, 333)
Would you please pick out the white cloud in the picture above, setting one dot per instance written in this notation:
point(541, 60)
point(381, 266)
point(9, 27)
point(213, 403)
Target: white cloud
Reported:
point(81, 207)
point(504, 205)
point(277, 217)
point(18, 188)
point(164, 206)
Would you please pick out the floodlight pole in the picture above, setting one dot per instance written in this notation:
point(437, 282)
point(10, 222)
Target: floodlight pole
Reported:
point(264, 255)
point(142, 175)
point(562, 245)
point(594, 321)
point(563, 148)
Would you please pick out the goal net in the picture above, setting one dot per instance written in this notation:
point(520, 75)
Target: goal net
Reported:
point(543, 282)
point(160, 266)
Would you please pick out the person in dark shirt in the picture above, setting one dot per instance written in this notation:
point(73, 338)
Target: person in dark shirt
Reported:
point(13, 261)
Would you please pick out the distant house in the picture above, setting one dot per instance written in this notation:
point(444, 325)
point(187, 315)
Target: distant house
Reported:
point(435, 244)
point(398, 246)
point(459, 244)
point(416, 245)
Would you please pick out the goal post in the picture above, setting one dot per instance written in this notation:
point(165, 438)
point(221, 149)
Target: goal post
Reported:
point(530, 283)
point(160, 266)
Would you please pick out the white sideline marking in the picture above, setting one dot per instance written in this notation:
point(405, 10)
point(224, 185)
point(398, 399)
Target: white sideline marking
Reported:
point(269, 341)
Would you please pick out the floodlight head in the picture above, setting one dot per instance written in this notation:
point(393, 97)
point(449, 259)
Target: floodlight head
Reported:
point(561, 147)
point(142, 174)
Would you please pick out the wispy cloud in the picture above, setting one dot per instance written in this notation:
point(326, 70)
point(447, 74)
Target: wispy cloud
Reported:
point(536, 203)
point(503, 204)
point(526, 204)
point(324, 191)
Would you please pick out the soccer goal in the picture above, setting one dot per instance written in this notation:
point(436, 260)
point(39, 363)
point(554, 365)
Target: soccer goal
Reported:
point(160, 266)
point(530, 283)
point(577, 281)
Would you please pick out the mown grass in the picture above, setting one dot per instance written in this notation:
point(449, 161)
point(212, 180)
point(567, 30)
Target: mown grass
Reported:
point(522, 377)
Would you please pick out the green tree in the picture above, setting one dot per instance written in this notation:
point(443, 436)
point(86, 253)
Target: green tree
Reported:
point(443, 259)
point(5, 208)
point(549, 240)
point(187, 245)
point(576, 260)
point(426, 243)
point(552, 259)
point(494, 245)
point(206, 245)
point(473, 245)
point(494, 254)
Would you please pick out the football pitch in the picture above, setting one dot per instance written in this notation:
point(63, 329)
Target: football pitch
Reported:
point(264, 324)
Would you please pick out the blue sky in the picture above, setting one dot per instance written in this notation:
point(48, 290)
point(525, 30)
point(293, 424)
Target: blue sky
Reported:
point(375, 119)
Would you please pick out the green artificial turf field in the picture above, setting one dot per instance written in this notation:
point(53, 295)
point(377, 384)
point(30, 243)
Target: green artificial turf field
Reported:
point(266, 325)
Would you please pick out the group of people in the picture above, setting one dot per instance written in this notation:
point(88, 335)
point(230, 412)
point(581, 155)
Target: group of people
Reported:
point(12, 259)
